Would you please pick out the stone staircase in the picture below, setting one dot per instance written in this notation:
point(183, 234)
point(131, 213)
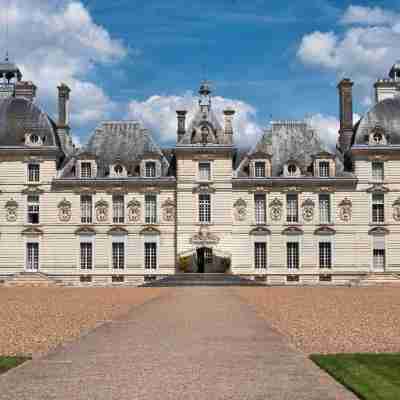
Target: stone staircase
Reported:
point(193, 279)
point(30, 279)
point(377, 278)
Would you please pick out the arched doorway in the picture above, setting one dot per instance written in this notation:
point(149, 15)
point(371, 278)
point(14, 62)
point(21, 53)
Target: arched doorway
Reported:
point(204, 256)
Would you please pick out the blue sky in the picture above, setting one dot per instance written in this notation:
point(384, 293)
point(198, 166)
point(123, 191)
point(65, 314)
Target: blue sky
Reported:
point(276, 59)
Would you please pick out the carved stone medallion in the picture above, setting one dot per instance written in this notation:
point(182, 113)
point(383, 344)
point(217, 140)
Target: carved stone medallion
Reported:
point(11, 210)
point(396, 210)
point(308, 210)
point(168, 210)
point(64, 210)
point(240, 207)
point(275, 209)
point(204, 237)
point(134, 211)
point(345, 210)
point(101, 211)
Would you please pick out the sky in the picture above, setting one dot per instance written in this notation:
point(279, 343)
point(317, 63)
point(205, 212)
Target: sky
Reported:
point(143, 60)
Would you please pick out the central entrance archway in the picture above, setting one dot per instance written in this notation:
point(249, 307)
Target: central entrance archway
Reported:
point(204, 257)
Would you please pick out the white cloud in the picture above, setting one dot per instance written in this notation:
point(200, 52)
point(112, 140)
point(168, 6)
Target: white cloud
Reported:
point(158, 113)
point(369, 16)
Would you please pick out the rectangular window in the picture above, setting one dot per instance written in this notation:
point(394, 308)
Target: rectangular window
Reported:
point(118, 209)
point(204, 171)
point(86, 209)
point(118, 255)
point(151, 209)
point(150, 255)
point(33, 172)
point(324, 209)
point(204, 208)
point(208, 255)
point(292, 212)
point(260, 255)
point(325, 255)
point(259, 169)
point(33, 209)
point(292, 253)
point(86, 170)
point(324, 169)
point(86, 255)
point(378, 208)
point(150, 170)
point(260, 208)
point(32, 256)
point(377, 171)
point(379, 252)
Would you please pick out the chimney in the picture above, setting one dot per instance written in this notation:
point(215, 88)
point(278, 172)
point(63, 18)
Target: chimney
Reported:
point(228, 118)
point(346, 114)
point(181, 114)
point(63, 103)
point(25, 89)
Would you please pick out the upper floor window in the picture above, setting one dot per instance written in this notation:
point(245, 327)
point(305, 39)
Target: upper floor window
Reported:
point(259, 169)
point(204, 171)
point(260, 208)
point(118, 209)
point(378, 208)
point(86, 209)
point(86, 170)
point(377, 171)
point(33, 172)
point(324, 208)
point(33, 209)
point(204, 208)
point(150, 169)
point(324, 169)
point(292, 208)
point(151, 209)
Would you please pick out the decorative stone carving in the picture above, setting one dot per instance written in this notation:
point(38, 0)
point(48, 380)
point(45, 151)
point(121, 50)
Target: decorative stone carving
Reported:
point(203, 188)
point(345, 210)
point(377, 188)
point(204, 237)
point(396, 210)
point(64, 210)
point(168, 210)
point(308, 210)
point(12, 210)
point(240, 207)
point(134, 211)
point(275, 209)
point(101, 211)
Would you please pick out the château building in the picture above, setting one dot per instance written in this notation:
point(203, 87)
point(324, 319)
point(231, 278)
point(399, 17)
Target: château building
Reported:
point(122, 209)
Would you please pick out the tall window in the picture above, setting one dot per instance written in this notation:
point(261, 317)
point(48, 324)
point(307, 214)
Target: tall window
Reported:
point(33, 172)
point(379, 252)
point(204, 171)
point(151, 209)
point(32, 256)
point(118, 209)
point(260, 208)
point(86, 255)
point(204, 208)
point(86, 209)
point(378, 171)
point(260, 255)
point(259, 169)
point(208, 255)
point(33, 209)
point(325, 255)
point(118, 255)
point(324, 169)
point(292, 255)
point(150, 255)
point(86, 170)
point(150, 169)
point(378, 208)
point(324, 209)
point(292, 209)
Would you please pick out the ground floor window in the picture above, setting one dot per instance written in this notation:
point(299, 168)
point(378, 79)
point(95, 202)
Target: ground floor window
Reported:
point(292, 255)
point(32, 256)
point(150, 255)
point(118, 255)
point(260, 255)
point(325, 255)
point(86, 255)
point(379, 252)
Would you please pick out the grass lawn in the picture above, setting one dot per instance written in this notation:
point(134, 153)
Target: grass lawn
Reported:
point(370, 376)
point(7, 363)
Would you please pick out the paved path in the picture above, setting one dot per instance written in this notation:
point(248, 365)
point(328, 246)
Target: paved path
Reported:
point(191, 343)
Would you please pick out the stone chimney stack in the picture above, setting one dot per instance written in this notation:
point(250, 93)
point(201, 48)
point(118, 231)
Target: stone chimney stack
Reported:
point(25, 89)
point(345, 88)
point(228, 118)
point(181, 115)
point(63, 105)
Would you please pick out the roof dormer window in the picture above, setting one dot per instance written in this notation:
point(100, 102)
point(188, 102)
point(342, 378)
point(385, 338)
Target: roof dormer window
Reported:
point(259, 169)
point(33, 139)
point(86, 170)
point(323, 169)
point(377, 136)
point(292, 170)
point(118, 170)
point(150, 169)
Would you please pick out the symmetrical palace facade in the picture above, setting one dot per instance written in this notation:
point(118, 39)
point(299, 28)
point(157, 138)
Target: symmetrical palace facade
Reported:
point(123, 209)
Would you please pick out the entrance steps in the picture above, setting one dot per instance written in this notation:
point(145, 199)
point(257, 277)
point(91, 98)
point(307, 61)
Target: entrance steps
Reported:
point(377, 278)
point(30, 279)
point(206, 279)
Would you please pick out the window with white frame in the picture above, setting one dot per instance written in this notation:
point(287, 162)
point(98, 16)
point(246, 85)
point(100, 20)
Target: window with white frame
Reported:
point(323, 169)
point(118, 255)
point(292, 208)
point(204, 171)
point(378, 171)
point(259, 169)
point(150, 208)
point(118, 209)
point(33, 173)
point(204, 208)
point(293, 255)
point(325, 254)
point(33, 209)
point(260, 208)
point(379, 252)
point(86, 255)
point(150, 256)
point(32, 256)
point(86, 170)
point(150, 169)
point(208, 255)
point(324, 208)
point(378, 208)
point(86, 209)
point(260, 255)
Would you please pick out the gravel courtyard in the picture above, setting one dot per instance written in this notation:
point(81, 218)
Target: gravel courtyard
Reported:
point(35, 320)
point(331, 319)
